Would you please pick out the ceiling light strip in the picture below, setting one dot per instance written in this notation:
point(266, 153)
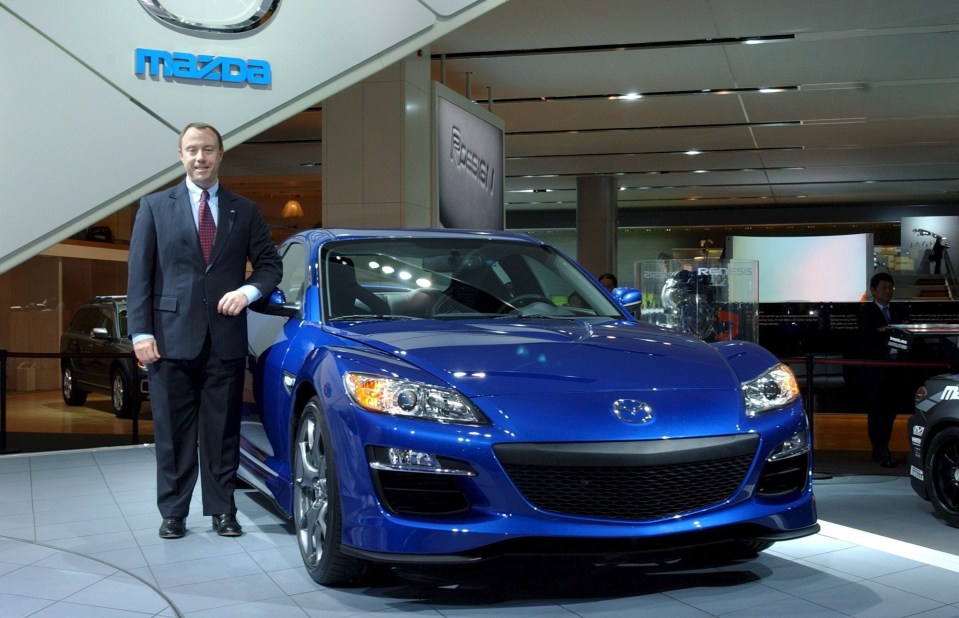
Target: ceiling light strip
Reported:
point(585, 49)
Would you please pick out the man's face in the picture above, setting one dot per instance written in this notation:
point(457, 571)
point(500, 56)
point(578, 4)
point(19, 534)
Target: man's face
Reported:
point(883, 292)
point(201, 155)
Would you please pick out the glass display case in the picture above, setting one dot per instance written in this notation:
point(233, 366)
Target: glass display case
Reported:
point(709, 298)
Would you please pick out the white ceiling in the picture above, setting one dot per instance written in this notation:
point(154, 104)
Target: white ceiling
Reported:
point(866, 115)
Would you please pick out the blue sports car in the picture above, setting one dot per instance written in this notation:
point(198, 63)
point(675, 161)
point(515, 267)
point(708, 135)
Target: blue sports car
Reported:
point(442, 397)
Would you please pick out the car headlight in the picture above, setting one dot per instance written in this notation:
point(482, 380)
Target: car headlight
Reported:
point(774, 388)
point(411, 399)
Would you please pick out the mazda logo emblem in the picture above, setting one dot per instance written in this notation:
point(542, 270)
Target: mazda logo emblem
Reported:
point(632, 411)
point(234, 17)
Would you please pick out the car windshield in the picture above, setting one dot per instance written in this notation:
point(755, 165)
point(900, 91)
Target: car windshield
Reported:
point(454, 278)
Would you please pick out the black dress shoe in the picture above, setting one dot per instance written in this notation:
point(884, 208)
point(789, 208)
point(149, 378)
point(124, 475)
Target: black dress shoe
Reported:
point(172, 528)
point(226, 524)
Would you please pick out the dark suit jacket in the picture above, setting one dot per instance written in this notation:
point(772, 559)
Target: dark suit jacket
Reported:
point(172, 293)
point(874, 344)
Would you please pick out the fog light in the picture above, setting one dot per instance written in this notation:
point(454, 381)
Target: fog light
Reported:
point(395, 459)
point(406, 457)
point(796, 445)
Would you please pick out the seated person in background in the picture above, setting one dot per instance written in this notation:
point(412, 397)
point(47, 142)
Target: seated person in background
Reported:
point(609, 281)
point(475, 286)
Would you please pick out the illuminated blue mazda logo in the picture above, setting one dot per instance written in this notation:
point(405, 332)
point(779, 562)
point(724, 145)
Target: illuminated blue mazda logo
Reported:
point(231, 18)
point(632, 411)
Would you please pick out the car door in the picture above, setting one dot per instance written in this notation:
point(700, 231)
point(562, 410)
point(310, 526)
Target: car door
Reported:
point(102, 338)
point(76, 341)
point(267, 395)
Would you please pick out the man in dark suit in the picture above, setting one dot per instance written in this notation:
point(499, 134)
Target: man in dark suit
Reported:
point(879, 382)
point(187, 293)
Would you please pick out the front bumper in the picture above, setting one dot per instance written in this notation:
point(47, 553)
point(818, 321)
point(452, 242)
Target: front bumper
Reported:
point(510, 503)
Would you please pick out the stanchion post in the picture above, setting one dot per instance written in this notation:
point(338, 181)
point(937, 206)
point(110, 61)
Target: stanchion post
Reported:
point(136, 417)
point(810, 367)
point(3, 401)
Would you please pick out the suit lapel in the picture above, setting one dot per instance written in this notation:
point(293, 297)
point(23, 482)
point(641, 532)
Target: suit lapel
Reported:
point(183, 217)
point(227, 216)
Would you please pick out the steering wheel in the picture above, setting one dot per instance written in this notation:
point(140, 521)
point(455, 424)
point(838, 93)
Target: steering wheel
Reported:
point(446, 304)
point(523, 300)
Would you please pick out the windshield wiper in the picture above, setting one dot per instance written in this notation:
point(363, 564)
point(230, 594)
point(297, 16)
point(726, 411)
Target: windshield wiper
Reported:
point(367, 317)
point(540, 316)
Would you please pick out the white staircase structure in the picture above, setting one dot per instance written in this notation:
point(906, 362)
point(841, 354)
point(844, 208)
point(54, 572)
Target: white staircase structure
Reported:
point(87, 129)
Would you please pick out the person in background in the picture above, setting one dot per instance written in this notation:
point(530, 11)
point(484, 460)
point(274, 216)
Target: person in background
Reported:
point(936, 258)
point(879, 382)
point(609, 281)
point(187, 293)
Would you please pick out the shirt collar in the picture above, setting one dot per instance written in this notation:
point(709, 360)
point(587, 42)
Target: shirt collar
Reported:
point(195, 191)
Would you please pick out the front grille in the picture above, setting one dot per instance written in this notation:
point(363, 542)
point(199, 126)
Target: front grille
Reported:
point(635, 481)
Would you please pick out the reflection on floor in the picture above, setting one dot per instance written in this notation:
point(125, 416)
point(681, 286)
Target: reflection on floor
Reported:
point(41, 421)
point(78, 537)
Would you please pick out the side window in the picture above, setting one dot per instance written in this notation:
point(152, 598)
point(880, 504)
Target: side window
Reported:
point(554, 286)
point(122, 318)
point(294, 272)
point(84, 321)
point(104, 319)
point(111, 324)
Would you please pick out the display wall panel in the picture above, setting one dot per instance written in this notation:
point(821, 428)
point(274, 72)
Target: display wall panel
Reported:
point(808, 268)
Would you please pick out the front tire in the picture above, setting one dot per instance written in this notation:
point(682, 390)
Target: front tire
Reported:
point(72, 394)
point(316, 505)
point(942, 475)
point(123, 398)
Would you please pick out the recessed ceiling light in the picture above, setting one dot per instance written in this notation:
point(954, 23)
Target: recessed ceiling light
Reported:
point(632, 96)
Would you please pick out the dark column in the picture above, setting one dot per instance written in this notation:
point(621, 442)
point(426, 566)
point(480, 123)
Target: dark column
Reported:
point(596, 222)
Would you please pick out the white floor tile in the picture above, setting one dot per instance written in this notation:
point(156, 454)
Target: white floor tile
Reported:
point(112, 559)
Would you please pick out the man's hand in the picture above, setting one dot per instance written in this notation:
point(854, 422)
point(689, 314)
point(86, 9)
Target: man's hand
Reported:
point(146, 351)
point(232, 303)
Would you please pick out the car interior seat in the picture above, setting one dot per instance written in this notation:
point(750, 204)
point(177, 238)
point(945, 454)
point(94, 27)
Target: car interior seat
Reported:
point(346, 296)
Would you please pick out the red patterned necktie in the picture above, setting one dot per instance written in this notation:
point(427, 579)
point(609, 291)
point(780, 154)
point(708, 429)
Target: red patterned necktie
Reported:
point(207, 227)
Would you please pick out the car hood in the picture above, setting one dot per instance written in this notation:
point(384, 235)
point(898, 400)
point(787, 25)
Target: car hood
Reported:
point(528, 356)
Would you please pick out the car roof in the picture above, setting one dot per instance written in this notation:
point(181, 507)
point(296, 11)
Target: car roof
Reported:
point(103, 300)
point(322, 235)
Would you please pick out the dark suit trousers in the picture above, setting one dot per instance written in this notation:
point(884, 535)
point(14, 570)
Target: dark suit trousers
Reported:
point(196, 407)
point(882, 396)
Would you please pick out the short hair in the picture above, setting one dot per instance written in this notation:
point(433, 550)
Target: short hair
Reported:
point(879, 278)
point(609, 276)
point(202, 126)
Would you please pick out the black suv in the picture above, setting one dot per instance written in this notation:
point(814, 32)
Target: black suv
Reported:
point(99, 328)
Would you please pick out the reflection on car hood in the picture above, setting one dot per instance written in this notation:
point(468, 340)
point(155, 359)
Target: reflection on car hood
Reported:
point(510, 356)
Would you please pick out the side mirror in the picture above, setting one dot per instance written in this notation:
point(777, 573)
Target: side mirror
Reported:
point(276, 304)
point(628, 297)
point(100, 333)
